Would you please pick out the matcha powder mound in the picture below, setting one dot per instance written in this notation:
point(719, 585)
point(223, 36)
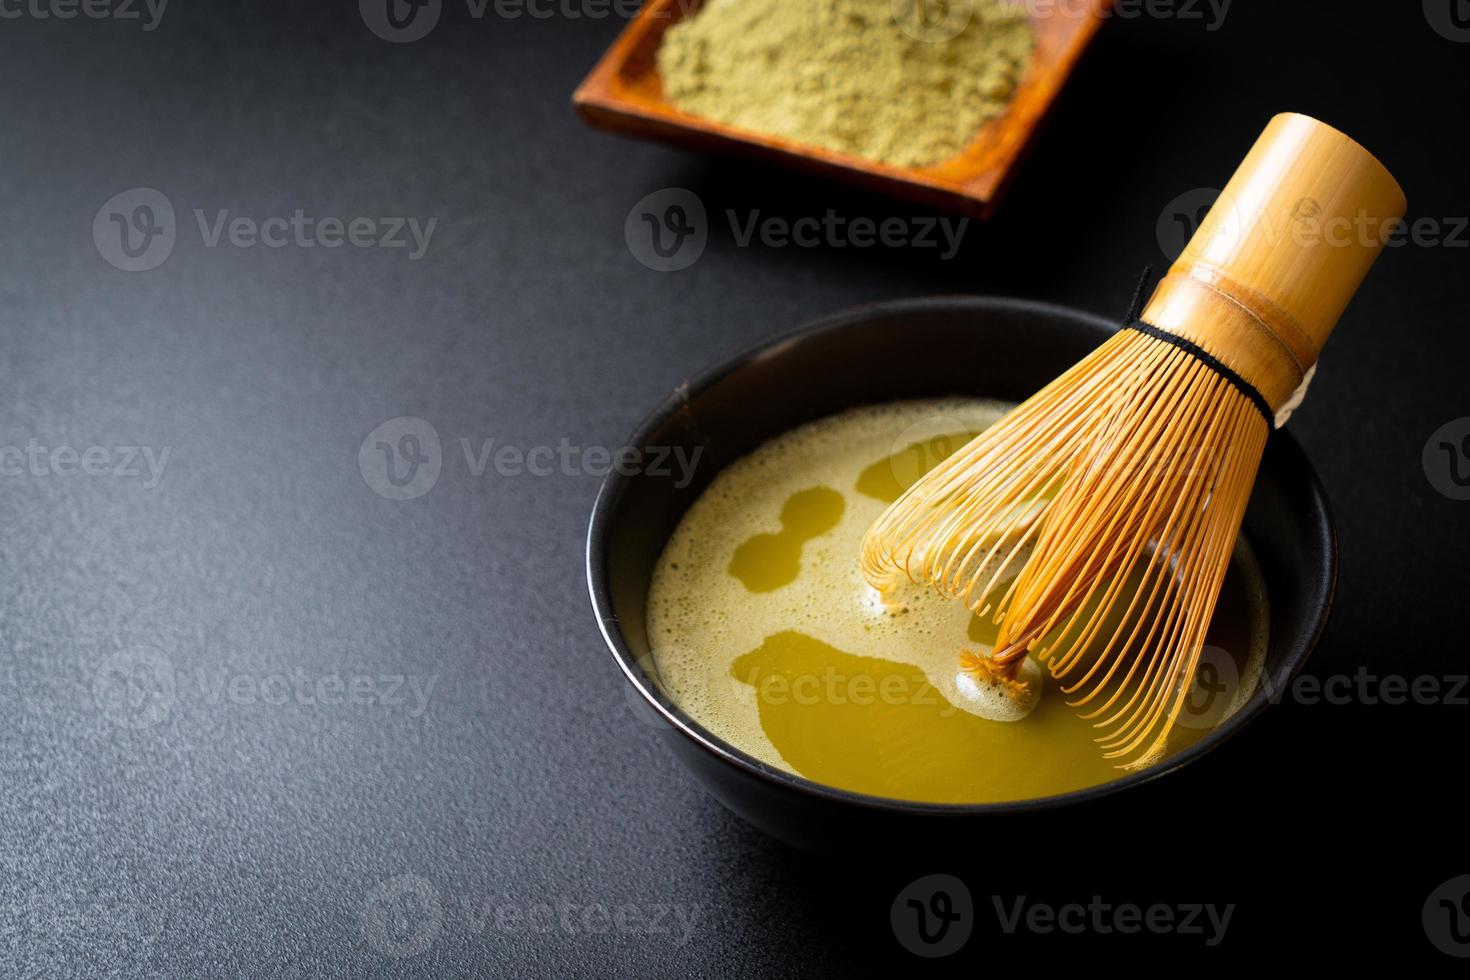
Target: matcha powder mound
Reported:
point(850, 75)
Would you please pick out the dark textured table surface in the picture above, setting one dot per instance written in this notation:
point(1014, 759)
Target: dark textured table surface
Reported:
point(374, 737)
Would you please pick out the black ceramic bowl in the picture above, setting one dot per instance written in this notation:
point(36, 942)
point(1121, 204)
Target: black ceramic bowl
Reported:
point(994, 348)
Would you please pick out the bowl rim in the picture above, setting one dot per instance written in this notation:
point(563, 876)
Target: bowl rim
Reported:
point(678, 721)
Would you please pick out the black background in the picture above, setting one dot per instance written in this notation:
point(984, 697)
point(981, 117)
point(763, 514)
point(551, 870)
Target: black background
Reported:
point(245, 839)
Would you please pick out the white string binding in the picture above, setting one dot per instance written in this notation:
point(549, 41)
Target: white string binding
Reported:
point(1297, 397)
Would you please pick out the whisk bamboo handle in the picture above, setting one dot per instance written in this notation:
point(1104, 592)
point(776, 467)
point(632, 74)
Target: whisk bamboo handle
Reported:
point(1283, 250)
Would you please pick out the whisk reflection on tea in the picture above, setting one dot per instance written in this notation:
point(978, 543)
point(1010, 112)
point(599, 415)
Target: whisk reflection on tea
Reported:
point(765, 632)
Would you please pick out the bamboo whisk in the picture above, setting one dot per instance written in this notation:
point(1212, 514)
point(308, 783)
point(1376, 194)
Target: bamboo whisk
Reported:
point(1136, 464)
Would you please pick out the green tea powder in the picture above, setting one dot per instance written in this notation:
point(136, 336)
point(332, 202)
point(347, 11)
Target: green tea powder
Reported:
point(874, 78)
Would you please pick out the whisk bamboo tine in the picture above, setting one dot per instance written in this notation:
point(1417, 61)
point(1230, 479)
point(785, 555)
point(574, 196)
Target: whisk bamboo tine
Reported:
point(1139, 460)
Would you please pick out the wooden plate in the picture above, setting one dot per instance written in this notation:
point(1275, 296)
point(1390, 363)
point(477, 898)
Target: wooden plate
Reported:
point(624, 93)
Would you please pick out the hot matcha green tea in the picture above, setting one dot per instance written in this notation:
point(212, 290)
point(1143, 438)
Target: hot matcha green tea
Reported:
point(764, 630)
